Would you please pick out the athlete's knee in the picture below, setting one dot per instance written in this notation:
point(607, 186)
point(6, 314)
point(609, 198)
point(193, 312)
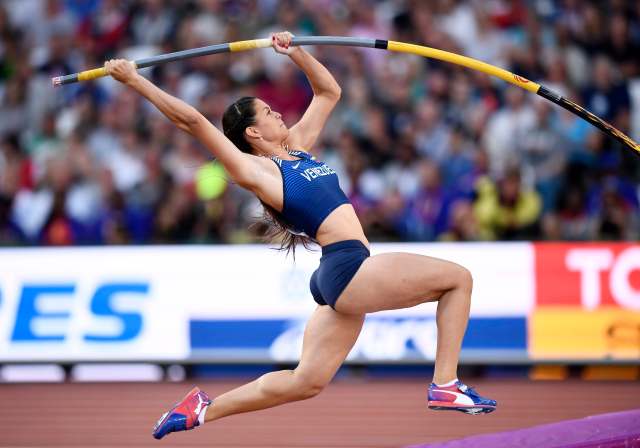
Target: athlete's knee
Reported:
point(308, 386)
point(463, 277)
point(466, 278)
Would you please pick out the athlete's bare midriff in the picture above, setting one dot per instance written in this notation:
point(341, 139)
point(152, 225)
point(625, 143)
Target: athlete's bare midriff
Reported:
point(341, 224)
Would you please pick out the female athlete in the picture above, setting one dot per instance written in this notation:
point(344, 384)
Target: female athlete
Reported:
point(262, 155)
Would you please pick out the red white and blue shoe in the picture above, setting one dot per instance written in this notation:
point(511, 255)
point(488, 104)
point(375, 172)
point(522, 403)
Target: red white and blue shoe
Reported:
point(184, 415)
point(459, 397)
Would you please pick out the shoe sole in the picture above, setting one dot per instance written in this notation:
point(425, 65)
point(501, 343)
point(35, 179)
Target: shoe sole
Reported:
point(471, 410)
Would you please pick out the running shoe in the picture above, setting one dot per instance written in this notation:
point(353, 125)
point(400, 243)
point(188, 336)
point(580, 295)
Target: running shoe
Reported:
point(459, 397)
point(184, 415)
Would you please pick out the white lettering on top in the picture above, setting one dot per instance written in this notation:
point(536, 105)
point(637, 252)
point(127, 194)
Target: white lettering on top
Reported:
point(592, 262)
point(589, 262)
point(312, 173)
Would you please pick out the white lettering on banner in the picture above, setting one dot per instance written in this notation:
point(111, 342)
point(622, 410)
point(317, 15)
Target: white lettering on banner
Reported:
point(591, 262)
point(380, 340)
point(620, 280)
point(388, 340)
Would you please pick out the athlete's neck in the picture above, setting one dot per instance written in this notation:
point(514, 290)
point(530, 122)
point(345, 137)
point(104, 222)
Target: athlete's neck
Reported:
point(268, 149)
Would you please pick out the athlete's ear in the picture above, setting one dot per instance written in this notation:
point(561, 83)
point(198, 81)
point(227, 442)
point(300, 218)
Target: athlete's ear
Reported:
point(252, 132)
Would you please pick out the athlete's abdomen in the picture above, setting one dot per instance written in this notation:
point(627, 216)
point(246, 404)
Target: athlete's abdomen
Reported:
point(341, 224)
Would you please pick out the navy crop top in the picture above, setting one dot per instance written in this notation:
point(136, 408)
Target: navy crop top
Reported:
point(310, 192)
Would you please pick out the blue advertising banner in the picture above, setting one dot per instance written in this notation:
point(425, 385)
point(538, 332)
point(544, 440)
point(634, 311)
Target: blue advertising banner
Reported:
point(382, 339)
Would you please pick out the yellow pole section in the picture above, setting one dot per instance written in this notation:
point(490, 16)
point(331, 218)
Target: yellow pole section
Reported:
point(88, 75)
point(465, 62)
point(243, 45)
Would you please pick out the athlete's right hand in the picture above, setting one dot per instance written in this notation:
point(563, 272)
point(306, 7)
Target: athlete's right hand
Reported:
point(282, 41)
point(121, 70)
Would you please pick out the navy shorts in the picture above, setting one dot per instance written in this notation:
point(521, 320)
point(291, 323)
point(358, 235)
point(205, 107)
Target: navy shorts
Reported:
point(339, 263)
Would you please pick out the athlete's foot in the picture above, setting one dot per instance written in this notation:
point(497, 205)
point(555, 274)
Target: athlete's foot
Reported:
point(459, 397)
point(184, 415)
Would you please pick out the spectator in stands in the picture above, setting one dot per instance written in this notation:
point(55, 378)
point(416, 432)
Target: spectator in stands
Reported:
point(571, 222)
point(463, 225)
point(544, 154)
point(505, 210)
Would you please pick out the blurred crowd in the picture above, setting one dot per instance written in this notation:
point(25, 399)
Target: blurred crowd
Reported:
point(425, 150)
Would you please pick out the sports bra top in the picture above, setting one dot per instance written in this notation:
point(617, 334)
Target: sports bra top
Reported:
point(310, 192)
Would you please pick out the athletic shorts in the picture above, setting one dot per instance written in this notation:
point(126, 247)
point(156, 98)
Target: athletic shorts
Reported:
point(339, 263)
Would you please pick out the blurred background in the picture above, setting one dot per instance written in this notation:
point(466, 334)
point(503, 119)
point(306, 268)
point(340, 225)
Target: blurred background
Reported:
point(123, 241)
point(426, 151)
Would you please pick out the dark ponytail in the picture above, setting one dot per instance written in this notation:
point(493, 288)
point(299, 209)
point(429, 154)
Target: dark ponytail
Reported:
point(238, 117)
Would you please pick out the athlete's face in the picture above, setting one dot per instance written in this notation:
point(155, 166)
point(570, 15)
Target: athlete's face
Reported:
point(269, 123)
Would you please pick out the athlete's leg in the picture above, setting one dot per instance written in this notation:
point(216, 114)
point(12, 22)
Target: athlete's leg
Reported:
point(328, 338)
point(399, 280)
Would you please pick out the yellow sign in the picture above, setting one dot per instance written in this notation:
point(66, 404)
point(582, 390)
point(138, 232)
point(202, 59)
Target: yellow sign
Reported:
point(572, 333)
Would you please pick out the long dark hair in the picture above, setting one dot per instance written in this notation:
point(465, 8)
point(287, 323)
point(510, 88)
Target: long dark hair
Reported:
point(238, 117)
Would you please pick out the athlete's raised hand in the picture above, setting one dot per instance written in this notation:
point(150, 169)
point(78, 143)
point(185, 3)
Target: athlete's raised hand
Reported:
point(281, 42)
point(121, 70)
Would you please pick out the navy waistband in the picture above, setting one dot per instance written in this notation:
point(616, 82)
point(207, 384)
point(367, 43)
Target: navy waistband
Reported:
point(346, 244)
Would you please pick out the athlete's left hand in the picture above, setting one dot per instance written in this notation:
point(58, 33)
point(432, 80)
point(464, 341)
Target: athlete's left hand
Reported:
point(121, 70)
point(281, 42)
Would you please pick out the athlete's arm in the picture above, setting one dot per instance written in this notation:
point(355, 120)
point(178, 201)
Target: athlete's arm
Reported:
point(326, 93)
point(241, 167)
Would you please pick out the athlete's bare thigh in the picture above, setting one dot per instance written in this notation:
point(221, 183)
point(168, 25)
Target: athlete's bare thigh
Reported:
point(398, 280)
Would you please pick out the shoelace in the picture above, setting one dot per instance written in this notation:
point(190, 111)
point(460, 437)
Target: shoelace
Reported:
point(468, 390)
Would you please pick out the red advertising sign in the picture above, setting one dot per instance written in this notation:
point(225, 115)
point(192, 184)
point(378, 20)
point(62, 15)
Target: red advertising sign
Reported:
point(587, 301)
point(588, 276)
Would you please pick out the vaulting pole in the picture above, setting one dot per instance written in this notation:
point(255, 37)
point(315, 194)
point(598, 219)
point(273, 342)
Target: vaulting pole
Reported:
point(401, 47)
